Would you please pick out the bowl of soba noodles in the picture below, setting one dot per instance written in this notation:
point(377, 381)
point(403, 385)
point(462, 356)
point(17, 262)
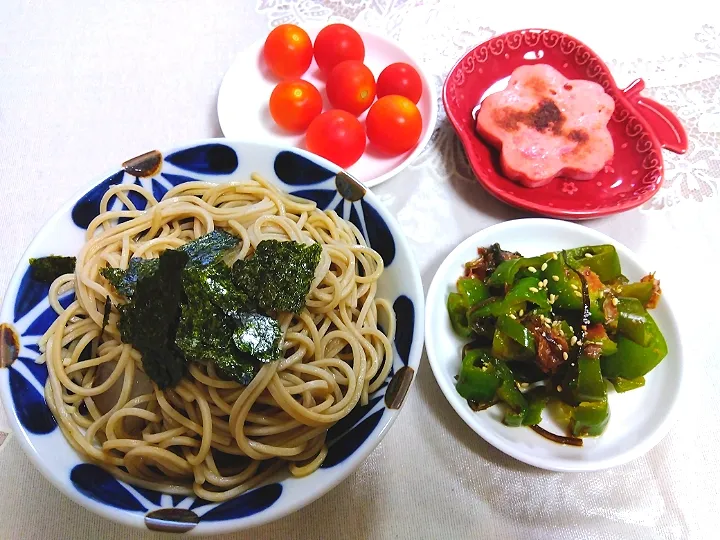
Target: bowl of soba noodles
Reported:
point(210, 337)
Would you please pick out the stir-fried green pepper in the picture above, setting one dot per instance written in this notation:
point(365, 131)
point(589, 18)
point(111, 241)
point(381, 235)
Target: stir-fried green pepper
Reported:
point(633, 321)
point(473, 290)
point(478, 380)
point(566, 322)
point(603, 260)
point(632, 360)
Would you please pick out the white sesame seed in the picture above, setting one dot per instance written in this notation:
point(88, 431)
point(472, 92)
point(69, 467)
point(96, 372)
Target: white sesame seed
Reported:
point(521, 312)
point(577, 293)
point(552, 298)
point(571, 328)
point(543, 267)
point(573, 340)
point(588, 255)
point(544, 282)
point(532, 269)
point(574, 286)
point(555, 278)
point(558, 388)
point(565, 356)
point(547, 324)
point(554, 256)
point(533, 289)
point(614, 301)
point(540, 285)
point(584, 327)
point(579, 343)
point(512, 316)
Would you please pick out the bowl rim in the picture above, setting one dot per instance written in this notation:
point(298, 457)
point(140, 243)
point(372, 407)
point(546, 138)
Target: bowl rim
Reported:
point(525, 203)
point(429, 124)
point(274, 512)
point(436, 290)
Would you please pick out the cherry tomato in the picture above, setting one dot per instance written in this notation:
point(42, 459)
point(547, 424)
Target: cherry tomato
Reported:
point(288, 51)
point(338, 136)
point(400, 79)
point(394, 124)
point(294, 104)
point(351, 87)
point(336, 43)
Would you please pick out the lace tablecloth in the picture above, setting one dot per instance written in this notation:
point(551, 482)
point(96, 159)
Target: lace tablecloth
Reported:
point(82, 88)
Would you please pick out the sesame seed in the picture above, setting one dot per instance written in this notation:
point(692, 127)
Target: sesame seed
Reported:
point(565, 356)
point(521, 312)
point(532, 269)
point(577, 293)
point(544, 282)
point(588, 255)
point(574, 286)
point(552, 298)
point(558, 388)
point(555, 278)
point(533, 289)
point(579, 343)
point(573, 340)
point(512, 316)
point(584, 327)
point(543, 267)
point(547, 324)
point(540, 285)
point(554, 256)
point(571, 328)
point(614, 301)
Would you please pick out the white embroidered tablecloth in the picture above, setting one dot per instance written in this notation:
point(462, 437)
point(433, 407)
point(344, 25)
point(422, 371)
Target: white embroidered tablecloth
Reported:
point(85, 85)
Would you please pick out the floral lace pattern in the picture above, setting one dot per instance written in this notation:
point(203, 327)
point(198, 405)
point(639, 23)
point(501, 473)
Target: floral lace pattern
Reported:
point(689, 84)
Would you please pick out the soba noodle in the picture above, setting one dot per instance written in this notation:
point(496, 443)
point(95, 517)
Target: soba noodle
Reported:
point(211, 436)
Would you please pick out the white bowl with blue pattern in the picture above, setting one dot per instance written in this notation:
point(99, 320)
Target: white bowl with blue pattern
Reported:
point(27, 314)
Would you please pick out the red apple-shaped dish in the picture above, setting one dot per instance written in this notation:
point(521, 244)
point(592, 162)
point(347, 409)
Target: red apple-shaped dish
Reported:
point(640, 127)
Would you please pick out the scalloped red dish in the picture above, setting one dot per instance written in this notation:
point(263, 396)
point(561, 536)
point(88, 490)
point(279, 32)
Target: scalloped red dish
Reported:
point(640, 127)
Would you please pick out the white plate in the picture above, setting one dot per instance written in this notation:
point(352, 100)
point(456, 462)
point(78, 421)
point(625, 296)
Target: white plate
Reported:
point(245, 91)
point(639, 419)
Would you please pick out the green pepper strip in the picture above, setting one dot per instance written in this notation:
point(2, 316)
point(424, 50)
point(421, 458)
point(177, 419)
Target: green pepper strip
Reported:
point(567, 288)
point(507, 271)
point(632, 360)
point(590, 383)
point(457, 311)
point(527, 290)
point(537, 400)
point(590, 418)
point(642, 290)
point(509, 393)
point(478, 379)
point(519, 333)
point(632, 321)
point(603, 260)
point(624, 385)
point(474, 290)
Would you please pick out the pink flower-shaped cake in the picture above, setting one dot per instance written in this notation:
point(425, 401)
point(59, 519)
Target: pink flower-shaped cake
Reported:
point(546, 125)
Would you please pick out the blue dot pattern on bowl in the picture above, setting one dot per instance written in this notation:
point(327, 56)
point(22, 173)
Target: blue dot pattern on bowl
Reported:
point(206, 159)
point(296, 170)
point(33, 316)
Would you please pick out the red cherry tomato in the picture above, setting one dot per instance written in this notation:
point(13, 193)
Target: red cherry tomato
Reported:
point(336, 43)
point(337, 136)
point(288, 51)
point(351, 87)
point(394, 124)
point(400, 79)
point(294, 104)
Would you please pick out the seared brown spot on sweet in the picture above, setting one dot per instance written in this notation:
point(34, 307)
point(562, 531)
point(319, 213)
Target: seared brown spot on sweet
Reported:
point(9, 345)
point(545, 115)
point(578, 136)
point(537, 84)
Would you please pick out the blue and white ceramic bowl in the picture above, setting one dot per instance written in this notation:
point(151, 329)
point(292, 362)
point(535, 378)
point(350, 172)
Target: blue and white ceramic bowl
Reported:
point(28, 314)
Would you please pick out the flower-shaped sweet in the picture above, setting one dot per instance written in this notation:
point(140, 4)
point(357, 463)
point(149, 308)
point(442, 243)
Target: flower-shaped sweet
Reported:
point(546, 125)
